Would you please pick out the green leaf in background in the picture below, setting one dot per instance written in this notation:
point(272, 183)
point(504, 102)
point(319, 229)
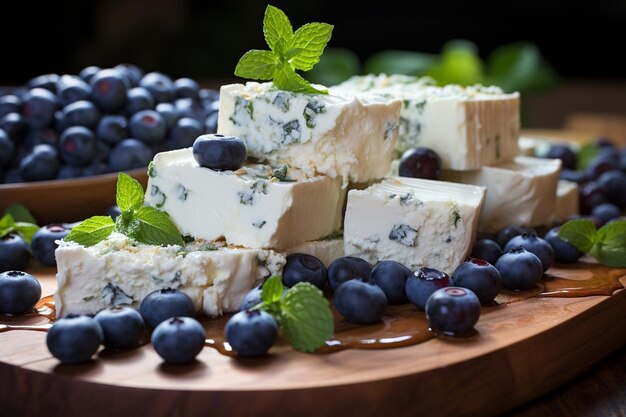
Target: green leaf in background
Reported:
point(310, 41)
point(272, 289)
point(586, 154)
point(459, 64)
point(257, 65)
point(20, 213)
point(25, 230)
point(610, 250)
point(335, 67)
point(580, 233)
point(91, 231)
point(399, 62)
point(277, 29)
point(153, 227)
point(129, 192)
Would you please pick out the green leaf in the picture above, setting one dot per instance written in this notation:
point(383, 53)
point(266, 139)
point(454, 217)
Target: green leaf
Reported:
point(287, 79)
point(152, 227)
point(26, 230)
point(580, 233)
point(311, 39)
point(91, 231)
point(610, 248)
point(272, 289)
point(586, 154)
point(399, 62)
point(20, 213)
point(335, 66)
point(307, 321)
point(277, 29)
point(459, 64)
point(129, 192)
point(257, 65)
point(7, 221)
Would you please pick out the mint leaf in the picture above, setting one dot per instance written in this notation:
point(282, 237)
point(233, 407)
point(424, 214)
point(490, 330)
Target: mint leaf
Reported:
point(585, 155)
point(287, 79)
point(277, 29)
point(272, 289)
point(20, 213)
point(129, 192)
point(91, 231)
point(610, 249)
point(26, 230)
point(7, 222)
point(580, 233)
point(257, 65)
point(307, 321)
point(310, 39)
point(152, 227)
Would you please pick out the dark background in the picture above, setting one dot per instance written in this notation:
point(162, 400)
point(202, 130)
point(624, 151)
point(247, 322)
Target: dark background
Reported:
point(204, 39)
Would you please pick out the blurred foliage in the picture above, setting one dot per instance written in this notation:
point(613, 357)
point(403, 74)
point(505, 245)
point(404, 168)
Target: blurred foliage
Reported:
point(513, 67)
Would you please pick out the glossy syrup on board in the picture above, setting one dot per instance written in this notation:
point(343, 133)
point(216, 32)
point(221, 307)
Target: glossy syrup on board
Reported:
point(402, 325)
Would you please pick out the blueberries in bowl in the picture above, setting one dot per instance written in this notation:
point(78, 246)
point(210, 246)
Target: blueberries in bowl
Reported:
point(71, 89)
point(148, 126)
point(479, 276)
point(139, 99)
point(130, 154)
point(159, 85)
point(346, 268)
point(19, 292)
point(112, 129)
point(360, 302)
point(78, 146)
point(453, 311)
point(43, 244)
point(74, 339)
point(163, 304)
point(301, 267)
point(251, 333)
point(184, 133)
point(40, 165)
point(6, 149)
point(109, 90)
point(187, 88)
point(534, 244)
point(391, 276)
point(422, 283)
point(219, 152)
point(614, 183)
point(39, 107)
point(81, 113)
point(519, 269)
point(121, 326)
point(564, 153)
point(420, 163)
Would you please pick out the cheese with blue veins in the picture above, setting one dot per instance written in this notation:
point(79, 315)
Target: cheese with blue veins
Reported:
point(467, 126)
point(257, 206)
point(419, 223)
point(345, 136)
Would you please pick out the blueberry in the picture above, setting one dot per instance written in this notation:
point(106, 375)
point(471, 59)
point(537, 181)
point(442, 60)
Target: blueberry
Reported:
point(47, 81)
point(160, 85)
point(12, 176)
point(148, 126)
point(96, 168)
point(519, 269)
point(162, 304)
point(109, 90)
point(219, 152)
point(614, 185)
point(121, 326)
point(453, 311)
point(74, 339)
point(184, 133)
point(606, 212)
point(169, 114)
point(509, 233)
point(208, 95)
point(564, 153)
point(14, 126)
point(360, 302)
point(487, 250)
point(132, 72)
point(603, 142)
point(14, 253)
point(36, 137)
point(420, 163)
point(19, 292)
point(535, 245)
point(71, 89)
point(88, 73)
point(78, 146)
point(114, 211)
point(40, 165)
point(479, 276)
point(112, 129)
point(301, 267)
point(43, 244)
point(422, 283)
point(139, 99)
point(600, 165)
point(187, 88)
point(564, 252)
point(39, 107)
point(622, 160)
point(252, 298)
point(130, 154)
point(578, 177)
point(6, 149)
point(391, 276)
point(210, 123)
point(187, 107)
point(346, 268)
point(251, 333)
point(590, 195)
point(178, 340)
point(10, 103)
point(81, 113)
point(67, 172)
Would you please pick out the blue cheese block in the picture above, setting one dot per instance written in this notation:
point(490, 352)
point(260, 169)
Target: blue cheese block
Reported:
point(566, 204)
point(121, 272)
point(419, 223)
point(257, 206)
point(519, 193)
point(346, 136)
point(467, 126)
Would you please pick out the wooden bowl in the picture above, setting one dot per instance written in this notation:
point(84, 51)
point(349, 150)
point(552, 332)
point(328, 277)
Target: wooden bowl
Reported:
point(64, 201)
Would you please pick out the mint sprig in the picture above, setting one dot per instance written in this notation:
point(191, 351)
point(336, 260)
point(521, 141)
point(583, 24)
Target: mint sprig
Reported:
point(302, 313)
point(26, 230)
point(607, 245)
point(141, 223)
point(288, 52)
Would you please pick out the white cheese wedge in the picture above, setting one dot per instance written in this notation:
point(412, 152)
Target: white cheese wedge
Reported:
point(419, 223)
point(118, 271)
point(566, 204)
point(326, 250)
point(520, 193)
point(250, 207)
point(346, 136)
point(467, 126)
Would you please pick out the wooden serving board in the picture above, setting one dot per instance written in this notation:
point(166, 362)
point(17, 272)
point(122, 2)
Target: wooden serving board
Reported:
point(522, 350)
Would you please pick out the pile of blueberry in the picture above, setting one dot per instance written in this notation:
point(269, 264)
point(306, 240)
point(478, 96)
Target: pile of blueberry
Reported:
point(15, 251)
point(602, 182)
point(101, 121)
